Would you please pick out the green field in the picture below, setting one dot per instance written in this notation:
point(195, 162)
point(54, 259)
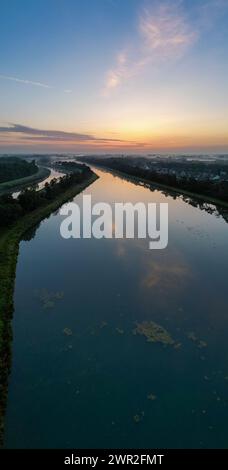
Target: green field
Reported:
point(18, 184)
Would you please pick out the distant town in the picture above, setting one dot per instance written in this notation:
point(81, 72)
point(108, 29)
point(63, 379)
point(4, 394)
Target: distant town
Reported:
point(201, 168)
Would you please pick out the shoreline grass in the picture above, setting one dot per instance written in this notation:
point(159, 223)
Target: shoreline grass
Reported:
point(9, 249)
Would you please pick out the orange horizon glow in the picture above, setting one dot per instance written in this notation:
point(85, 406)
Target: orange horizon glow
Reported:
point(155, 81)
point(127, 140)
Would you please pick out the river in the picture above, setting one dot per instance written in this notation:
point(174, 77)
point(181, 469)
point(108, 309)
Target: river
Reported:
point(81, 375)
point(54, 174)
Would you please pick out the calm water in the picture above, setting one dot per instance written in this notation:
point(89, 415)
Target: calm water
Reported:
point(91, 388)
point(54, 174)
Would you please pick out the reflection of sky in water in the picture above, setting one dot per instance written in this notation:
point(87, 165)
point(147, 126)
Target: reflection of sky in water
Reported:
point(89, 388)
point(53, 174)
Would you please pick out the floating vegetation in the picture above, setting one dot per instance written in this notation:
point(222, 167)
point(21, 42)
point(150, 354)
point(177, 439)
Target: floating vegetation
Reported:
point(192, 336)
point(154, 333)
point(48, 298)
point(95, 331)
point(49, 304)
point(120, 331)
point(151, 397)
point(59, 295)
point(67, 332)
point(138, 417)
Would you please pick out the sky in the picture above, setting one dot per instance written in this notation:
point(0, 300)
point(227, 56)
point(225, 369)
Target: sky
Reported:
point(114, 76)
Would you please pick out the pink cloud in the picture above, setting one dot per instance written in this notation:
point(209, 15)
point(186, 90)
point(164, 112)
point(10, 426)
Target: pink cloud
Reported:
point(163, 33)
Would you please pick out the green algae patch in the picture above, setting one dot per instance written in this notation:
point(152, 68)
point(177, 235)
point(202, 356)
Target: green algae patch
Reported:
point(154, 333)
point(67, 332)
point(48, 298)
point(138, 417)
point(199, 342)
point(120, 331)
point(151, 397)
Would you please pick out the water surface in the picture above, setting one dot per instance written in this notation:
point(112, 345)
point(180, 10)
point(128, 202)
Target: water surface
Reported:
point(54, 174)
point(80, 376)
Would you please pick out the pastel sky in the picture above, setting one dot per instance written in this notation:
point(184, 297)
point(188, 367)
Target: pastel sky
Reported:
point(114, 76)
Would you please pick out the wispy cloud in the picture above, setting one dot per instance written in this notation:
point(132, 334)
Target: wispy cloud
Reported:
point(209, 11)
point(29, 82)
point(25, 82)
point(164, 33)
point(31, 133)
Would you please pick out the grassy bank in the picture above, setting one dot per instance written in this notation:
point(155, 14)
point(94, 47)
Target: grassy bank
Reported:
point(20, 183)
point(170, 189)
point(9, 247)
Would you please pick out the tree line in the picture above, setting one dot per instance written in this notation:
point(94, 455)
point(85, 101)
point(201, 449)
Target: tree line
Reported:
point(29, 199)
point(212, 189)
point(69, 166)
point(12, 168)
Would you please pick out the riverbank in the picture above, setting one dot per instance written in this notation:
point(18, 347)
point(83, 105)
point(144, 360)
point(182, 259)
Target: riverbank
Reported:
point(20, 183)
point(9, 248)
point(170, 189)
